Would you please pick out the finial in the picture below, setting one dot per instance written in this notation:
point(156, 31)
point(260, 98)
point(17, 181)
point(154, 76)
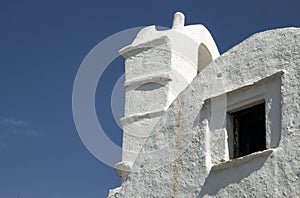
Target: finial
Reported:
point(178, 20)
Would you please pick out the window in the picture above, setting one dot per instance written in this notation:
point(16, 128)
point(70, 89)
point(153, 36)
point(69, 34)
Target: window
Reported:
point(249, 130)
point(244, 120)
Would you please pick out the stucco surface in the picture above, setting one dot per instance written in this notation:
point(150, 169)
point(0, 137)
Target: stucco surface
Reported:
point(176, 159)
point(158, 68)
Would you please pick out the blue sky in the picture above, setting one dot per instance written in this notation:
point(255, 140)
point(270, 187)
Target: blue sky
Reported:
point(42, 44)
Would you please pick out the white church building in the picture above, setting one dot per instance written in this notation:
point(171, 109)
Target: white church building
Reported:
point(201, 124)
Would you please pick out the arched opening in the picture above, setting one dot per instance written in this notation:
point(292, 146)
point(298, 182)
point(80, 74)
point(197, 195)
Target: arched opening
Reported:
point(204, 57)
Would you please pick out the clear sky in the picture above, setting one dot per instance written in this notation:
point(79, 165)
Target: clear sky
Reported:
point(42, 44)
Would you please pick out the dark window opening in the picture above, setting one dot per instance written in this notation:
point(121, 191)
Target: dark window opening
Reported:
point(249, 130)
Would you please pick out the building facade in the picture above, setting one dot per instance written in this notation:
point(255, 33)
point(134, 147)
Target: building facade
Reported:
point(202, 125)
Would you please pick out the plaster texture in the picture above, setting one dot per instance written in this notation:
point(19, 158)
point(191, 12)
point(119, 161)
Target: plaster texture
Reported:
point(158, 67)
point(187, 154)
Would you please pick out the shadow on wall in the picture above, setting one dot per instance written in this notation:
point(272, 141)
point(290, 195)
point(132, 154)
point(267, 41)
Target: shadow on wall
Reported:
point(150, 86)
point(204, 57)
point(216, 180)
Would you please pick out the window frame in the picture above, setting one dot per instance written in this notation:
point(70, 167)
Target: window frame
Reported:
point(267, 90)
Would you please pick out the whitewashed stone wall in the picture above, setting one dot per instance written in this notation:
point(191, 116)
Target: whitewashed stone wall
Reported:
point(158, 67)
point(176, 160)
